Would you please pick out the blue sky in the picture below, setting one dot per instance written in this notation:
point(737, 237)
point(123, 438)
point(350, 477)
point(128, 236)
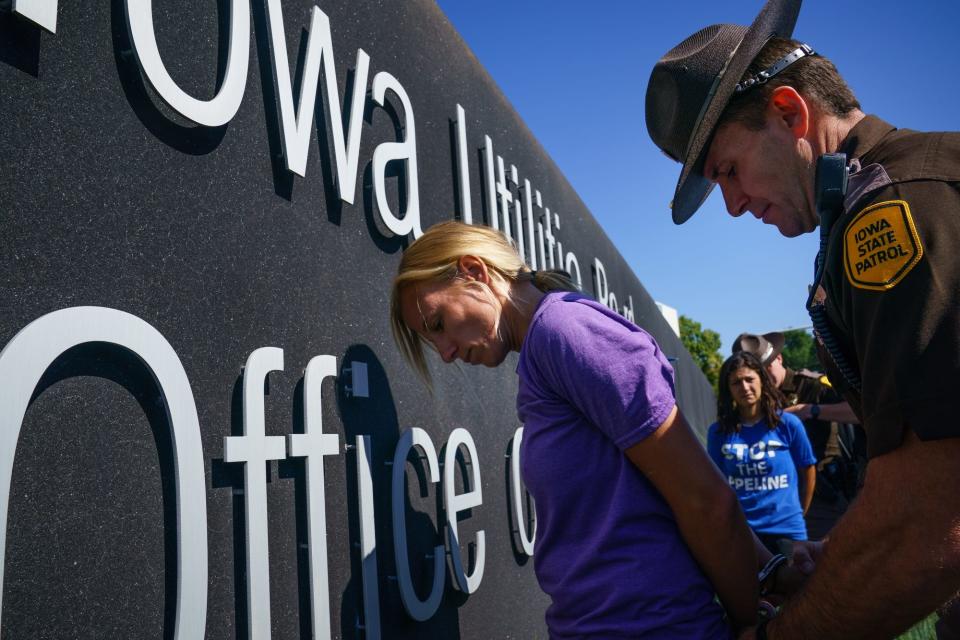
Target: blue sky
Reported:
point(570, 66)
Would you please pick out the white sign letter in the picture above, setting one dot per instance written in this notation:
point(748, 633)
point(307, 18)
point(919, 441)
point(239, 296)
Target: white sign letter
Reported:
point(463, 173)
point(211, 113)
point(368, 541)
point(516, 497)
point(313, 444)
point(391, 151)
point(454, 504)
point(600, 281)
point(506, 197)
point(296, 124)
point(255, 448)
point(490, 182)
point(41, 12)
point(528, 203)
point(573, 268)
point(418, 609)
point(25, 359)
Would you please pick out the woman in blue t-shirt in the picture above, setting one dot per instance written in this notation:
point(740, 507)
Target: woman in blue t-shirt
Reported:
point(633, 538)
point(763, 452)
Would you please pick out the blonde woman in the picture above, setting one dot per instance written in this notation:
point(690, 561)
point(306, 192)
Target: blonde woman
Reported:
point(636, 528)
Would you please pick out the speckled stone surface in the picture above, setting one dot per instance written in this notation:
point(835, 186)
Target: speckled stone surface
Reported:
point(110, 198)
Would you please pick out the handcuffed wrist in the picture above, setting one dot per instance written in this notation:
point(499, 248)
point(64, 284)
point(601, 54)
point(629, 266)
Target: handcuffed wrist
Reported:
point(768, 574)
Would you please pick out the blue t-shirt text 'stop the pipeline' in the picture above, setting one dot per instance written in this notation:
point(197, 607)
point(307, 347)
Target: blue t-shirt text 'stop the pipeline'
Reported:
point(761, 466)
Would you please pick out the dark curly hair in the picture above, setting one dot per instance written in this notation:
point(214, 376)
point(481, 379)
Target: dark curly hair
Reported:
point(771, 400)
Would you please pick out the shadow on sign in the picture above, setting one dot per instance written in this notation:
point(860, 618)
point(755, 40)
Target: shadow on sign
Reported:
point(21, 43)
point(376, 416)
point(149, 108)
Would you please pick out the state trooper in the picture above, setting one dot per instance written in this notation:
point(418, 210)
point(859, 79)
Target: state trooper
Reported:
point(772, 122)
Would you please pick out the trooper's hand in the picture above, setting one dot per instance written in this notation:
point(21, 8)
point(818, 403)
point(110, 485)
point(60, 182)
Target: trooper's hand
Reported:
point(787, 581)
point(806, 554)
point(802, 558)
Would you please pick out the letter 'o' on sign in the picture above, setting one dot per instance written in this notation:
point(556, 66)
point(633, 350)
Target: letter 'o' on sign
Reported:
point(211, 113)
point(24, 361)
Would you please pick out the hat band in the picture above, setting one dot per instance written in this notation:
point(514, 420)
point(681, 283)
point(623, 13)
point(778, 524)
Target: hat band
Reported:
point(800, 52)
point(767, 353)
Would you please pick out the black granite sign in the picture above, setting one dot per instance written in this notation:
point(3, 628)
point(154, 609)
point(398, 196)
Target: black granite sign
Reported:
point(204, 418)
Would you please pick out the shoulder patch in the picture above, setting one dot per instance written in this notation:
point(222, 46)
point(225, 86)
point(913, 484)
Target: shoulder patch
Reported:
point(881, 246)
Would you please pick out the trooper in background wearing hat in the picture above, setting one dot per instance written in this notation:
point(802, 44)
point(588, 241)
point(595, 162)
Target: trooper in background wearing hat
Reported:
point(757, 113)
point(827, 419)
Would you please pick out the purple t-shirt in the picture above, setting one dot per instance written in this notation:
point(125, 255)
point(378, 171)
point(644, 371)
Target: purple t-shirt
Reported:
point(608, 550)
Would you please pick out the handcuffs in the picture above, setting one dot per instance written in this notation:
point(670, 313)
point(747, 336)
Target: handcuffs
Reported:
point(768, 571)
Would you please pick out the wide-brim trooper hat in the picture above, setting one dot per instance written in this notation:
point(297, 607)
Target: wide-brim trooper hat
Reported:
point(765, 347)
point(691, 86)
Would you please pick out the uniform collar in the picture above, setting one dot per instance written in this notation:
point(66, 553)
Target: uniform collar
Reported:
point(864, 136)
point(787, 384)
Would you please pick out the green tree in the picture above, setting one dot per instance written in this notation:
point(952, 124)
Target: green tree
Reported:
point(704, 347)
point(799, 350)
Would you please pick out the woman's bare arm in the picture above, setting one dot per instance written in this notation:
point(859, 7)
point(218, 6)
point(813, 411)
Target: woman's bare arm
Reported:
point(707, 512)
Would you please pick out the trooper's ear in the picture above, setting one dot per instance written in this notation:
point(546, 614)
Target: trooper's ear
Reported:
point(788, 108)
point(473, 268)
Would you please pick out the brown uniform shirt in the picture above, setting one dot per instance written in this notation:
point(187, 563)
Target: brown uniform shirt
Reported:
point(892, 281)
point(806, 387)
